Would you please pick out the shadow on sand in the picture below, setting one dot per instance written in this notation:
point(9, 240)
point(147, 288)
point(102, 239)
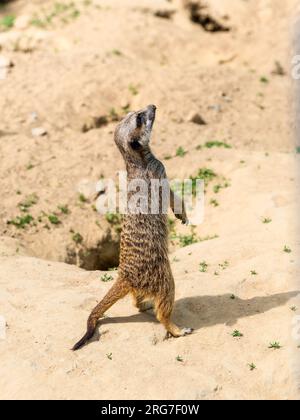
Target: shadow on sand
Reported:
point(206, 311)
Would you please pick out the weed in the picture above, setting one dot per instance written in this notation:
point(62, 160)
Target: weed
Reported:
point(264, 79)
point(237, 334)
point(29, 201)
point(82, 198)
point(266, 220)
point(21, 222)
point(133, 89)
point(224, 265)
point(7, 22)
point(215, 143)
point(287, 249)
point(252, 366)
point(181, 152)
point(77, 238)
point(203, 267)
point(109, 356)
point(116, 52)
point(64, 209)
point(214, 202)
point(53, 219)
point(179, 359)
point(106, 277)
point(275, 345)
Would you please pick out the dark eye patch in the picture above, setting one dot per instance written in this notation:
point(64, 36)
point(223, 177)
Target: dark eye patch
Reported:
point(135, 144)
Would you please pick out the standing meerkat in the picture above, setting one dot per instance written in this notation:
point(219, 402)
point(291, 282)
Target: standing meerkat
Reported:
point(144, 269)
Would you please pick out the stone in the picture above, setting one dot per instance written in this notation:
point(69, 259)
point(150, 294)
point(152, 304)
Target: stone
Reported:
point(39, 132)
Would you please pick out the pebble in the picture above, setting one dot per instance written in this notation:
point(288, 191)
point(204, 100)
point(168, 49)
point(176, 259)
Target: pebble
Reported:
point(39, 132)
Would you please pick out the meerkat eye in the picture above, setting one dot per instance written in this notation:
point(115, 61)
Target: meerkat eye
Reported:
point(135, 144)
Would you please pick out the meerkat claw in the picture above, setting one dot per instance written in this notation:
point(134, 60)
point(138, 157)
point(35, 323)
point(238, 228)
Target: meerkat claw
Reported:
point(187, 331)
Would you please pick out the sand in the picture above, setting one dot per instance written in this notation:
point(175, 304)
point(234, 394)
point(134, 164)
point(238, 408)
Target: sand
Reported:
point(70, 78)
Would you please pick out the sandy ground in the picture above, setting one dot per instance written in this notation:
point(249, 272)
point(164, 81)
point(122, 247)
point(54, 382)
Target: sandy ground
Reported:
point(91, 64)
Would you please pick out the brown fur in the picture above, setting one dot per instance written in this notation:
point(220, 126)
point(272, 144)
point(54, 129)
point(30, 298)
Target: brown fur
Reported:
point(144, 269)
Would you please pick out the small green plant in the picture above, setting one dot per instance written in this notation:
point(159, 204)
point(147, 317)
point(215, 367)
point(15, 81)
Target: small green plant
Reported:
point(106, 278)
point(109, 356)
point(219, 187)
point(215, 143)
point(64, 209)
point(252, 366)
point(77, 238)
point(29, 201)
point(113, 218)
point(181, 152)
point(293, 308)
point(253, 273)
point(53, 219)
point(21, 222)
point(7, 22)
point(298, 149)
point(237, 334)
point(185, 240)
point(116, 52)
point(264, 79)
point(266, 220)
point(224, 265)
point(287, 249)
point(179, 359)
point(203, 266)
point(232, 297)
point(133, 89)
point(82, 198)
point(214, 202)
point(206, 174)
point(275, 345)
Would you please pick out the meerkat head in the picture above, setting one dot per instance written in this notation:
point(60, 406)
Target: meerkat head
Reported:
point(133, 133)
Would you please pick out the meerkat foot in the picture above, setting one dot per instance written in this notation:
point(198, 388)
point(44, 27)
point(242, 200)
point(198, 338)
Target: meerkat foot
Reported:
point(179, 332)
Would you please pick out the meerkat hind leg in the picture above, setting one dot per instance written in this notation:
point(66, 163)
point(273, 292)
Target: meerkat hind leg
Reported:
point(118, 291)
point(163, 313)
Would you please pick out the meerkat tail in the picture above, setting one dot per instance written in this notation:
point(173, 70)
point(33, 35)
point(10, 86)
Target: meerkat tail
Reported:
point(119, 290)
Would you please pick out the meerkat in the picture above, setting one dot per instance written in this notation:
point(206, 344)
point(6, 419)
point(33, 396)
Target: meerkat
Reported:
point(144, 269)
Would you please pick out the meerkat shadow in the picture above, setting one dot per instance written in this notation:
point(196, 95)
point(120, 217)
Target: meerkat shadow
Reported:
point(206, 311)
